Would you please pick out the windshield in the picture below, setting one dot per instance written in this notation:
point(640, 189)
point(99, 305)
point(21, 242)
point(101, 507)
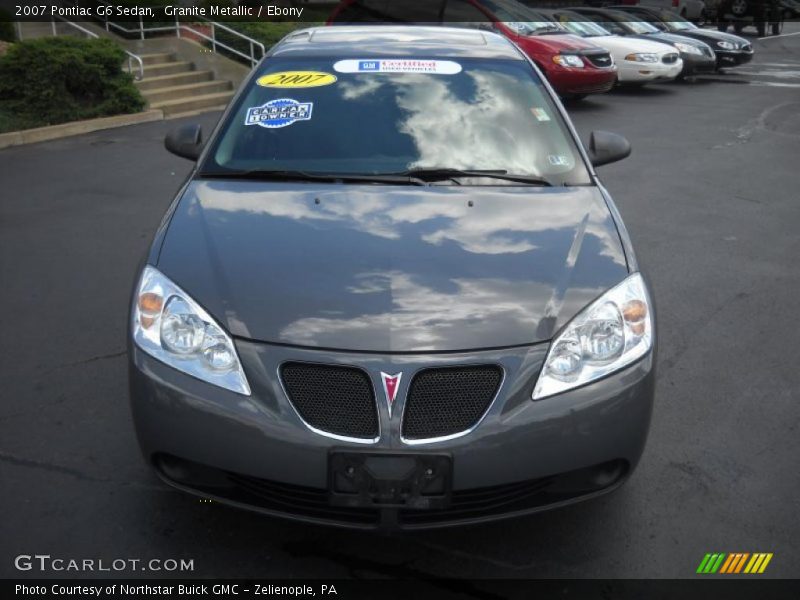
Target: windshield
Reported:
point(676, 23)
point(388, 116)
point(583, 28)
point(519, 17)
point(641, 27)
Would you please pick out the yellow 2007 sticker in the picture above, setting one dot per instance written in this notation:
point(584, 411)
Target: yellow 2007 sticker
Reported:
point(296, 79)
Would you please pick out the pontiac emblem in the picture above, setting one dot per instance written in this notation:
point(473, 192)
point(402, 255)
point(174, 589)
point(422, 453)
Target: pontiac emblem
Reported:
point(390, 385)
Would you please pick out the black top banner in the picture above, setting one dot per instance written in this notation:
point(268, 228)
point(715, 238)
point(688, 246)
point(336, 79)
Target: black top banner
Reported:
point(393, 11)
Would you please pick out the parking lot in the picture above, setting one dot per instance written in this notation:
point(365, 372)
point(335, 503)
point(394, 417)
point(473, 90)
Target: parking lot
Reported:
point(711, 198)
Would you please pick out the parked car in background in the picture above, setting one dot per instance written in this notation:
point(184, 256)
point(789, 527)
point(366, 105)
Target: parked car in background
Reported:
point(790, 9)
point(697, 56)
point(764, 15)
point(638, 61)
point(573, 66)
point(731, 50)
point(690, 9)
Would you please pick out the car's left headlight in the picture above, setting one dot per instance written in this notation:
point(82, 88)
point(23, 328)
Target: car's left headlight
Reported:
point(688, 48)
point(171, 327)
point(647, 57)
point(568, 60)
point(609, 334)
point(726, 45)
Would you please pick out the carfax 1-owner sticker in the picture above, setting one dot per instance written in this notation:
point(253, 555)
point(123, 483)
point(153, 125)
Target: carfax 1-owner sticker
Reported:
point(279, 113)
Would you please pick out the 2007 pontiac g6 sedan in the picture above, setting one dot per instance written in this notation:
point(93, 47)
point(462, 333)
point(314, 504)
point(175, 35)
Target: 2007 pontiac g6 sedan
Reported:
point(393, 293)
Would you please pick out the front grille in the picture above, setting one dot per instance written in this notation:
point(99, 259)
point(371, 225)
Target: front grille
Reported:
point(298, 500)
point(670, 59)
point(592, 89)
point(449, 400)
point(483, 502)
point(337, 400)
point(600, 60)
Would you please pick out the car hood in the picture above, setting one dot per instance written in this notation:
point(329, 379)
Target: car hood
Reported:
point(671, 38)
point(620, 46)
point(392, 268)
point(556, 43)
point(711, 36)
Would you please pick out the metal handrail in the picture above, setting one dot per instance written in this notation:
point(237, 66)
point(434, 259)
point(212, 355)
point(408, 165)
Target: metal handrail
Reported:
point(178, 27)
point(131, 56)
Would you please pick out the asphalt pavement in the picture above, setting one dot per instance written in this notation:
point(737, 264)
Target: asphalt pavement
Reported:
point(711, 197)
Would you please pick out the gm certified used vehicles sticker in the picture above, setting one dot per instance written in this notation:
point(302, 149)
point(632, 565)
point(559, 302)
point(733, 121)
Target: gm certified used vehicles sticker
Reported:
point(279, 113)
point(397, 65)
point(296, 79)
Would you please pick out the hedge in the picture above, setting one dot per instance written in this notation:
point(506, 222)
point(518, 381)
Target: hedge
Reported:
point(59, 79)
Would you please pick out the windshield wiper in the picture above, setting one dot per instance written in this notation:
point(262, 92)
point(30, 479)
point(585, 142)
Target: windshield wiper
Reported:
point(438, 174)
point(284, 175)
point(548, 29)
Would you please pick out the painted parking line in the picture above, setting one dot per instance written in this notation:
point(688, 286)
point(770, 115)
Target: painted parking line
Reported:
point(774, 37)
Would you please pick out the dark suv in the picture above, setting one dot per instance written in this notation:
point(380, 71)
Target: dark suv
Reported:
point(761, 13)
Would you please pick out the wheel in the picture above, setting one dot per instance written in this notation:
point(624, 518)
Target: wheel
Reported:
point(738, 26)
point(761, 27)
point(722, 26)
point(777, 28)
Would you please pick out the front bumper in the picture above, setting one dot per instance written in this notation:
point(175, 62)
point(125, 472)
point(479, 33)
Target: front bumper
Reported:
point(524, 456)
point(640, 72)
point(733, 58)
point(694, 64)
point(578, 82)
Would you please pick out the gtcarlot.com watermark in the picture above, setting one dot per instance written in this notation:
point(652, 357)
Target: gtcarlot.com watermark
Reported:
point(47, 563)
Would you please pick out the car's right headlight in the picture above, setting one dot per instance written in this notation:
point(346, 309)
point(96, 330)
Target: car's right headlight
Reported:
point(568, 60)
point(609, 334)
point(726, 45)
point(647, 57)
point(688, 48)
point(171, 327)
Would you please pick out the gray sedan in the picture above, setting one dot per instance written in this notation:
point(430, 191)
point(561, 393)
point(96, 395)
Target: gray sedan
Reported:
point(393, 292)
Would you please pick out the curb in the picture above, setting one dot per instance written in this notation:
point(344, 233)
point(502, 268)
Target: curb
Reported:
point(54, 132)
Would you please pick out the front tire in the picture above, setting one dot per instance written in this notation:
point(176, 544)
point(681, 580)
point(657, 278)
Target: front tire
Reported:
point(761, 27)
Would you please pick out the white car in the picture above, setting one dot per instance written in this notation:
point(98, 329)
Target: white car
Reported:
point(638, 61)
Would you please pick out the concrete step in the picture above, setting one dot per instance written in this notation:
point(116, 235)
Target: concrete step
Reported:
point(191, 90)
point(158, 58)
point(183, 105)
point(33, 29)
point(168, 68)
point(163, 81)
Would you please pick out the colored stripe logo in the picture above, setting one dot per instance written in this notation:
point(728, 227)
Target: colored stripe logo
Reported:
point(735, 562)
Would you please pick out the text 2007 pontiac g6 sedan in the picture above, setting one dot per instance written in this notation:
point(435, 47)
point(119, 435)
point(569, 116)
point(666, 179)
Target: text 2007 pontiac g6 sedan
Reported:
point(393, 292)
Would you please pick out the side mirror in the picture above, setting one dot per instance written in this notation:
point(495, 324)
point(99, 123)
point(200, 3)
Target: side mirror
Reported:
point(185, 141)
point(606, 147)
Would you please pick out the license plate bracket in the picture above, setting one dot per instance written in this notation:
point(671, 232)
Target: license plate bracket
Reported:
point(390, 480)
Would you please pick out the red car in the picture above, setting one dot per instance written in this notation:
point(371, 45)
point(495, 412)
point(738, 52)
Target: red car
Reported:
point(572, 65)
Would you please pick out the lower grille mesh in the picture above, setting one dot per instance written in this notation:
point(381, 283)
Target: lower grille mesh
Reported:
point(338, 400)
point(450, 400)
